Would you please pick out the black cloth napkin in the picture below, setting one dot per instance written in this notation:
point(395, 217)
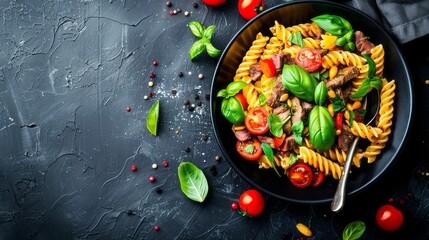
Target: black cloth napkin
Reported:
point(406, 20)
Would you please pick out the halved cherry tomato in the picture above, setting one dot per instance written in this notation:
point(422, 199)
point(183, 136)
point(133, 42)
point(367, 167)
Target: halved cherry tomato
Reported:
point(301, 175)
point(268, 67)
point(308, 58)
point(256, 120)
point(240, 97)
point(278, 141)
point(339, 120)
point(318, 178)
point(248, 9)
point(251, 202)
point(250, 149)
point(214, 3)
point(389, 218)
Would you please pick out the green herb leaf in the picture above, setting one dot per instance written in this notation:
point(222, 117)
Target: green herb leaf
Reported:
point(232, 110)
point(209, 32)
point(275, 124)
point(338, 103)
point(152, 118)
point(249, 148)
point(299, 82)
point(321, 128)
point(354, 230)
point(193, 182)
point(212, 51)
point(333, 24)
point(196, 49)
point(262, 99)
point(197, 28)
point(297, 129)
point(234, 87)
point(296, 38)
point(268, 151)
point(222, 93)
point(292, 159)
point(320, 93)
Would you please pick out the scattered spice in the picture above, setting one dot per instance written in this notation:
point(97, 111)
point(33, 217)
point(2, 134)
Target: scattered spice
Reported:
point(205, 137)
point(178, 9)
point(156, 228)
point(410, 195)
point(186, 13)
point(213, 170)
point(234, 206)
point(427, 82)
point(187, 149)
point(304, 230)
point(133, 168)
point(128, 109)
point(186, 102)
point(200, 76)
point(152, 179)
point(168, 4)
point(174, 91)
point(191, 107)
point(152, 75)
point(197, 96)
point(180, 74)
point(199, 103)
point(158, 190)
point(145, 97)
point(171, 12)
point(165, 164)
point(154, 166)
point(155, 63)
point(195, 5)
point(391, 200)
point(402, 201)
point(150, 84)
point(174, 12)
point(218, 158)
point(129, 212)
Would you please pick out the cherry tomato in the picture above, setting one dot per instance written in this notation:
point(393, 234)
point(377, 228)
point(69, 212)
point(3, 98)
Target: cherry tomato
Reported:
point(318, 178)
point(339, 120)
point(240, 97)
point(389, 218)
point(248, 9)
point(251, 202)
point(256, 120)
point(309, 59)
point(278, 141)
point(268, 67)
point(301, 175)
point(214, 3)
point(250, 149)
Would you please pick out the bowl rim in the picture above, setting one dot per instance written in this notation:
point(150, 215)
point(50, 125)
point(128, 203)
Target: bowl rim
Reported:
point(401, 144)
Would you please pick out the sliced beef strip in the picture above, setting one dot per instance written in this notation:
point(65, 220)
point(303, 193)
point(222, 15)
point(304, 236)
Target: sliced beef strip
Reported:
point(255, 72)
point(276, 92)
point(345, 138)
point(242, 135)
point(282, 112)
point(267, 140)
point(279, 59)
point(363, 45)
point(298, 111)
point(344, 75)
point(288, 145)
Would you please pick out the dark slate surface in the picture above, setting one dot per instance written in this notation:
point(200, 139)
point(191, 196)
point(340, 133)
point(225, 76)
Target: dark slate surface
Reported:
point(69, 70)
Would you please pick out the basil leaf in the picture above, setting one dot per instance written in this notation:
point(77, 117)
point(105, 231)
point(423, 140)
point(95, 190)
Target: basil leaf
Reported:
point(234, 87)
point(320, 93)
point(375, 82)
point(211, 50)
point(354, 230)
point(371, 65)
point(232, 110)
point(321, 128)
point(292, 159)
point(363, 89)
point(299, 82)
point(297, 129)
point(296, 38)
point(222, 93)
point(196, 49)
point(268, 151)
point(275, 124)
point(338, 103)
point(333, 24)
point(249, 148)
point(262, 99)
point(350, 46)
point(197, 28)
point(193, 182)
point(152, 118)
point(208, 32)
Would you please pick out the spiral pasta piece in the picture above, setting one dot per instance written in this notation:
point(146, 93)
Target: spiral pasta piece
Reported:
point(320, 162)
point(340, 156)
point(283, 33)
point(252, 56)
point(335, 58)
point(365, 131)
point(312, 43)
point(266, 164)
point(251, 95)
point(377, 54)
point(273, 46)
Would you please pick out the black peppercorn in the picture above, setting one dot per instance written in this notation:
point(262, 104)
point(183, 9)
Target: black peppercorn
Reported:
point(191, 107)
point(180, 74)
point(174, 91)
point(199, 103)
point(195, 5)
point(205, 137)
point(188, 149)
point(186, 102)
point(158, 190)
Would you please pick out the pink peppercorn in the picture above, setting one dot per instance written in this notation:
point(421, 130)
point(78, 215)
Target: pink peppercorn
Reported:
point(133, 168)
point(234, 206)
point(156, 228)
point(171, 12)
point(152, 179)
point(165, 164)
point(152, 75)
point(155, 63)
point(128, 109)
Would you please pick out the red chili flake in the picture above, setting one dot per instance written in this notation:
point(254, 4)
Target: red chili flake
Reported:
point(155, 63)
point(152, 75)
point(168, 4)
point(234, 206)
point(128, 109)
point(156, 228)
point(133, 168)
point(165, 164)
point(401, 201)
point(171, 12)
point(152, 179)
point(150, 94)
point(391, 200)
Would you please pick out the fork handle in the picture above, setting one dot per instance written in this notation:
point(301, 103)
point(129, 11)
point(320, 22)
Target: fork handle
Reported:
point(340, 194)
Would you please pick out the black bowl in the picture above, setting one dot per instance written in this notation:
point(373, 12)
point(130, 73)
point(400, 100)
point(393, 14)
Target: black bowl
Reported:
point(290, 14)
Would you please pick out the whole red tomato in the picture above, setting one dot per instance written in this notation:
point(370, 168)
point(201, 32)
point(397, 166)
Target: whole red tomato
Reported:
point(389, 218)
point(250, 8)
point(214, 3)
point(251, 203)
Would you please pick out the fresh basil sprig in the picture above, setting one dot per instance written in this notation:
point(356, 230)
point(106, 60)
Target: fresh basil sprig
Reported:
point(369, 82)
point(299, 82)
point(193, 182)
point(297, 129)
point(354, 230)
point(268, 151)
point(205, 35)
point(231, 107)
point(296, 38)
point(276, 124)
point(152, 118)
point(337, 26)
